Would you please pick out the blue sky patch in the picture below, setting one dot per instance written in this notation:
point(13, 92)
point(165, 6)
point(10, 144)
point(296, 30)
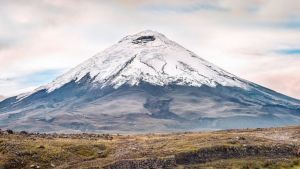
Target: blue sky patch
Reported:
point(40, 78)
point(295, 51)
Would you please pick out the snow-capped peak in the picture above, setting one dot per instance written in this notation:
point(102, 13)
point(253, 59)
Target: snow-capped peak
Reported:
point(150, 57)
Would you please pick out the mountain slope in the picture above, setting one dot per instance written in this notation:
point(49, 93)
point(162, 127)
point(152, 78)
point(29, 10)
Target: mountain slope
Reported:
point(145, 83)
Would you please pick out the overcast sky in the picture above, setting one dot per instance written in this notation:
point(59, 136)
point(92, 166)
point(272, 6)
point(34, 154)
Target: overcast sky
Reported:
point(258, 40)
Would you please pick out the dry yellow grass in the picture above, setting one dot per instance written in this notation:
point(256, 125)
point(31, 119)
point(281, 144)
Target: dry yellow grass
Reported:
point(85, 151)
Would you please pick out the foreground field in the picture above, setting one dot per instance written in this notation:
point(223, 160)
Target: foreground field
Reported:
point(249, 148)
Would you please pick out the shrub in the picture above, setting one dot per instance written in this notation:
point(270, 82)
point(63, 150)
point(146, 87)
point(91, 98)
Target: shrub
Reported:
point(23, 133)
point(9, 131)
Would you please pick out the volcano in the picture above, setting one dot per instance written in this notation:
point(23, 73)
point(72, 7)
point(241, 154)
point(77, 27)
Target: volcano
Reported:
point(147, 83)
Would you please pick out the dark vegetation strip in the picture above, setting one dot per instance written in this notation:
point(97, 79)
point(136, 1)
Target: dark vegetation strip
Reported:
point(204, 155)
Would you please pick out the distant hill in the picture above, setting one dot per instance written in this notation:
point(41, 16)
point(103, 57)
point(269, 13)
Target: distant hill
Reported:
point(2, 97)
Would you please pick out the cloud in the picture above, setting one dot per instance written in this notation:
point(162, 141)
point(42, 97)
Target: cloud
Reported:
point(247, 38)
point(185, 8)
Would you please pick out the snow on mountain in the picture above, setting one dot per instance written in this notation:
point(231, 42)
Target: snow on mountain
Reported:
point(147, 83)
point(150, 57)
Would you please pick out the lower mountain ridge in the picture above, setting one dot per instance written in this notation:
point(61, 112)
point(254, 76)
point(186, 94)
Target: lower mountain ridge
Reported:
point(80, 106)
